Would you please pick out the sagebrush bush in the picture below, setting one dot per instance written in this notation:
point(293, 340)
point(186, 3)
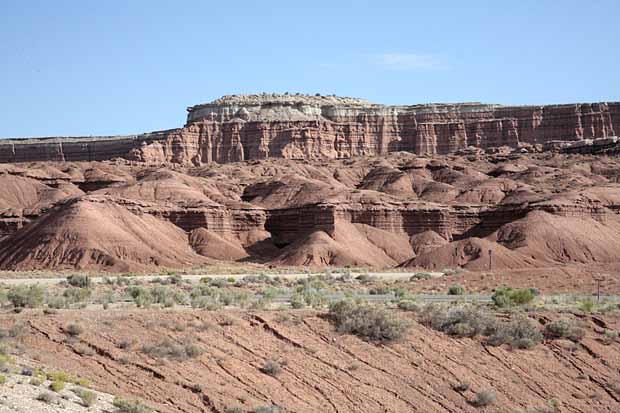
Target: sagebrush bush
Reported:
point(79, 280)
point(456, 289)
point(271, 367)
point(130, 406)
point(484, 398)
point(462, 321)
point(170, 350)
point(22, 296)
point(88, 397)
point(564, 328)
point(520, 333)
point(57, 386)
point(469, 321)
point(74, 329)
point(508, 297)
point(46, 397)
point(367, 321)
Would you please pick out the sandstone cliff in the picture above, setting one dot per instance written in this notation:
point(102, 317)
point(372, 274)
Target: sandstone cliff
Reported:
point(245, 127)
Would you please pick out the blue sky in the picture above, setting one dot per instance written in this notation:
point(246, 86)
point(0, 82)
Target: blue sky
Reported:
point(114, 67)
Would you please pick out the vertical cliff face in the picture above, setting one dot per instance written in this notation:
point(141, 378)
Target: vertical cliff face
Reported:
point(236, 128)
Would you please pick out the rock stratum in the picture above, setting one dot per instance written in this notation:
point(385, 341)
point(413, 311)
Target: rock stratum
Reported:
point(249, 127)
point(527, 210)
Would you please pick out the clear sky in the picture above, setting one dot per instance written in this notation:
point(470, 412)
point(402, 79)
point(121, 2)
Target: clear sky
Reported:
point(89, 67)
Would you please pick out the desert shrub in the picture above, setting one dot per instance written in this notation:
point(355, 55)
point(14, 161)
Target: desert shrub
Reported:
point(564, 328)
point(88, 397)
point(166, 296)
point(141, 296)
point(468, 321)
point(57, 386)
point(76, 295)
point(218, 282)
point(79, 280)
point(21, 296)
point(234, 409)
point(586, 306)
point(366, 321)
point(271, 367)
point(170, 350)
point(520, 333)
point(46, 397)
point(74, 329)
point(267, 409)
point(297, 301)
point(421, 276)
point(484, 398)
point(456, 289)
point(2, 379)
point(408, 304)
point(380, 290)
point(463, 321)
point(36, 381)
point(130, 406)
point(508, 297)
point(461, 386)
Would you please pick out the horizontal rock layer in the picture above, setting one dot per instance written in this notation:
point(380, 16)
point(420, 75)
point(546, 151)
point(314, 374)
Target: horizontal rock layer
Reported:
point(258, 127)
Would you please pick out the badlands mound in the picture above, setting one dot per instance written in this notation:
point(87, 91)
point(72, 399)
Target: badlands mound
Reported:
point(528, 210)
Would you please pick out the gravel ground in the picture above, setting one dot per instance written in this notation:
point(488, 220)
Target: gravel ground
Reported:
point(17, 395)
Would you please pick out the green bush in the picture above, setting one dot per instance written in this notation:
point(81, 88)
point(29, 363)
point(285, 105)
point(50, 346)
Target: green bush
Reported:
point(564, 328)
point(456, 289)
point(130, 406)
point(80, 281)
point(170, 350)
point(141, 296)
point(26, 296)
point(586, 306)
point(76, 295)
point(366, 321)
point(462, 321)
point(520, 333)
point(509, 297)
point(88, 397)
point(57, 386)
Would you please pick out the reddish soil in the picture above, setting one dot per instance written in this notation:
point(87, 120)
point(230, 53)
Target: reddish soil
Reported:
point(322, 371)
point(529, 211)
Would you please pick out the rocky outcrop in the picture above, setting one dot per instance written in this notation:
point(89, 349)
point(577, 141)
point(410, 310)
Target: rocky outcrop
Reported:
point(245, 127)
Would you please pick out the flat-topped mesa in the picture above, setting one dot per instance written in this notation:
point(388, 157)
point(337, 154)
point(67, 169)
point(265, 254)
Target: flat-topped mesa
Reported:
point(286, 107)
point(295, 126)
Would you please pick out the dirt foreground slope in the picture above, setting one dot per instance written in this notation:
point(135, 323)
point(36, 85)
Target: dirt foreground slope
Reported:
point(321, 370)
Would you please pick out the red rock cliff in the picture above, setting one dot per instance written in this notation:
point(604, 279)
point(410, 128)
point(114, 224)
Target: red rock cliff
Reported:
point(236, 128)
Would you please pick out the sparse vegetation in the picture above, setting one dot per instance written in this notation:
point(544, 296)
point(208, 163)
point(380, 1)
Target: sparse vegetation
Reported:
point(367, 321)
point(46, 397)
point(564, 328)
point(484, 398)
point(57, 386)
point(170, 350)
point(74, 329)
point(271, 367)
point(79, 280)
point(469, 321)
point(130, 406)
point(461, 386)
point(456, 289)
point(509, 297)
point(22, 296)
point(88, 398)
